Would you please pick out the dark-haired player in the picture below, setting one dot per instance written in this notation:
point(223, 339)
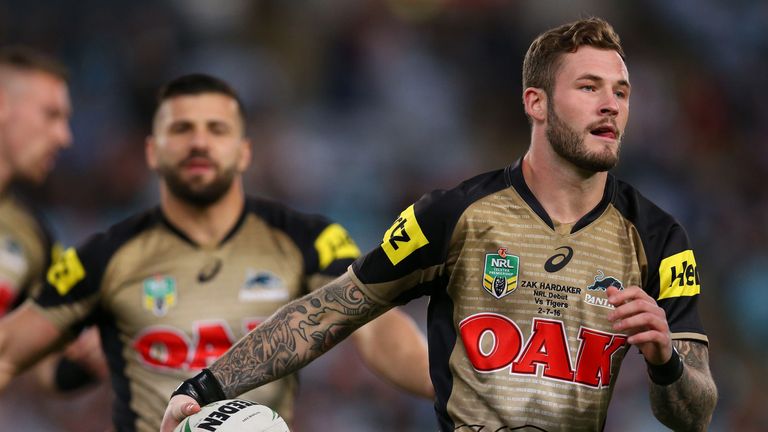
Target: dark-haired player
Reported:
point(541, 274)
point(172, 288)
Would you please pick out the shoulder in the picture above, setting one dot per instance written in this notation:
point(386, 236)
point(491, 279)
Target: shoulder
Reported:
point(647, 217)
point(282, 217)
point(103, 245)
point(451, 203)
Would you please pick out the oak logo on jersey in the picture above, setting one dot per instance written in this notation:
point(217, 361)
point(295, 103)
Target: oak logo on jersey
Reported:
point(494, 342)
point(678, 276)
point(66, 272)
point(500, 273)
point(262, 285)
point(601, 284)
point(335, 243)
point(159, 294)
point(403, 237)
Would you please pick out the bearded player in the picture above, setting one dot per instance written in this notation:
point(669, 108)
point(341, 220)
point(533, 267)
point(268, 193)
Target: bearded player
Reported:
point(541, 274)
point(172, 288)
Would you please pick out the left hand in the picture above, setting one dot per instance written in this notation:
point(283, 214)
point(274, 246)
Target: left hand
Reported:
point(637, 314)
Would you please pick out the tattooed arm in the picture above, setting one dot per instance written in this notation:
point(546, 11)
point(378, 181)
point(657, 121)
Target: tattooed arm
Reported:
point(291, 338)
point(688, 403)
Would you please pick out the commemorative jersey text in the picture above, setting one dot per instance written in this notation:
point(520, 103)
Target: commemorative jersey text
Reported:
point(527, 300)
point(168, 308)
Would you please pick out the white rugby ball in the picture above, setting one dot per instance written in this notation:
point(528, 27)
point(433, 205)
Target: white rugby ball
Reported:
point(234, 415)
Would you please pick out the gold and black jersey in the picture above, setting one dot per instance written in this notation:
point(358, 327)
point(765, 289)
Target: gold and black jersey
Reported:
point(518, 330)
point(167, 308)
point(25, 251)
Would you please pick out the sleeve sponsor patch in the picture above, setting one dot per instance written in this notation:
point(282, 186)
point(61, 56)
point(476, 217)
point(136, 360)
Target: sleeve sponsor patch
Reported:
point(678, 276)
point(66, 272)
point(335, 243)
point(403, 237)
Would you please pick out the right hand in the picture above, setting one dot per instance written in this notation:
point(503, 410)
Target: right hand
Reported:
point(179, 408)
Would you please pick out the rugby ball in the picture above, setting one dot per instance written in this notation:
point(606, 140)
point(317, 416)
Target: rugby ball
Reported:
point(234, 415)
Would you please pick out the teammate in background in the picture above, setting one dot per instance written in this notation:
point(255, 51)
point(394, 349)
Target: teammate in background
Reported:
point(173, 287)
point(34, 126)
point(541, 274)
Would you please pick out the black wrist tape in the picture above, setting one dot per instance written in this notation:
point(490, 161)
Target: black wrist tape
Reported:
point(203, 387)
point(667, 373)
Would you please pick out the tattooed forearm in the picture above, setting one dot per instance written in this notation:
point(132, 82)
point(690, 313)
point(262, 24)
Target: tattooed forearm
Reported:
point(294, 336)
point(688, 403)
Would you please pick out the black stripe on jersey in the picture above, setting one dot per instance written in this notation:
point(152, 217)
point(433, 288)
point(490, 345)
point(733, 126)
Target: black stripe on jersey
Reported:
point(662, 236)
point(302, 228)
point(123, 416)
point(515, 177)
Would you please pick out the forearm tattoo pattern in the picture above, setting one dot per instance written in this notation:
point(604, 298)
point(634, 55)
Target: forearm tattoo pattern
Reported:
point(295, 335)
point(688, 403)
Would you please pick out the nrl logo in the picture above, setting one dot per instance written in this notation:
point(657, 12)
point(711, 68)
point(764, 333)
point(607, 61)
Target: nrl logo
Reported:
point(500, 273)
point(159, 294)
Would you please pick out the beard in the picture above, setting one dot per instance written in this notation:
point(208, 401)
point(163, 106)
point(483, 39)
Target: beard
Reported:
point(569, 145)
point(193, 192)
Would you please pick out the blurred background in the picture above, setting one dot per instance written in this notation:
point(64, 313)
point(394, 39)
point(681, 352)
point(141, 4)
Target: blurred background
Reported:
point(357, 107)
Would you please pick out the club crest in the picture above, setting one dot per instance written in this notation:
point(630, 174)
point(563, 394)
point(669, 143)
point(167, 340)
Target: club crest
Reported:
point(159, 294)
point(500, 273)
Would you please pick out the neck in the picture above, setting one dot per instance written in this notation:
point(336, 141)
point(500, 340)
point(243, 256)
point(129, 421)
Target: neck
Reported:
point(566, 192)
point(206, 226)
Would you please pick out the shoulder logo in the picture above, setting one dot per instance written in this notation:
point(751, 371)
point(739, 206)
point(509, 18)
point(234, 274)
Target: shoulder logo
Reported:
point(678, 276)
point(558, 261)
point(159, 294)
point(403, 237)
point(334, 243)
point(500, 273)
point(66, 272)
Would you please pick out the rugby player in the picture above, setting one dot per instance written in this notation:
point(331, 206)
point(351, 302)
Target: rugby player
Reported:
point(541, 274)
point(172, 288)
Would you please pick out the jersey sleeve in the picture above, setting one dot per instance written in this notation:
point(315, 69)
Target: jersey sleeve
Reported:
point(70, 292)
point(410, 260)
point(326, 248)
point(332, 250)
point(673, 280)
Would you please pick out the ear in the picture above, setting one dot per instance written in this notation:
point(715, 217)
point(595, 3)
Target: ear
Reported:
point(535, 102)
point(149, 151)
point(246, 154)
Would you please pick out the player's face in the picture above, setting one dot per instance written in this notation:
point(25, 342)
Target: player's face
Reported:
point(198, 146)
point(589, 108)
point(34, 122)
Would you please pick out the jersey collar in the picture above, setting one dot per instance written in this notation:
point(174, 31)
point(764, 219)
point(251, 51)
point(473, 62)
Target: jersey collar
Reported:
point(514, 175)
point(174, 229)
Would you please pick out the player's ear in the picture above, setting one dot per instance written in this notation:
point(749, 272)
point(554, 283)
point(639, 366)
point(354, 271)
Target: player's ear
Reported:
point(149, 151)
point(246, 154)
point(535, 102)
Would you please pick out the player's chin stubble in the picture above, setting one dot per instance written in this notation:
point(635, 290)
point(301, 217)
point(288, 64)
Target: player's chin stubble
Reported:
point(569, 145)
point(195, 194)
